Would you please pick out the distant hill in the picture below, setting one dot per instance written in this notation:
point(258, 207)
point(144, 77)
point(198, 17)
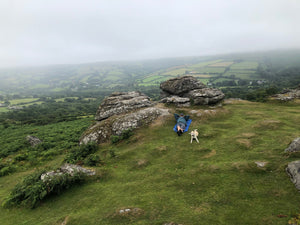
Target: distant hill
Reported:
point(253, 70)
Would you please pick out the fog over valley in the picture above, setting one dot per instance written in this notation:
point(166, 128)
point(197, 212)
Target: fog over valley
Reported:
point(72, 31)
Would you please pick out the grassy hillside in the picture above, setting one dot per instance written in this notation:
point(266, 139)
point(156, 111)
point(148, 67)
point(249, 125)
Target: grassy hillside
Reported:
point(171, 180)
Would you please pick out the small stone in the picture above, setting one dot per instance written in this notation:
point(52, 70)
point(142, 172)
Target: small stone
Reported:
point(261, 164)
point(33, 140)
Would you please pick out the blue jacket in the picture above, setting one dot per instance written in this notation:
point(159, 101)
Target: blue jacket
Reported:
point(181, 120)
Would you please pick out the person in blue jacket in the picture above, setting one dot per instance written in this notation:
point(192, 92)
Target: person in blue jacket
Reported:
point(181, 122)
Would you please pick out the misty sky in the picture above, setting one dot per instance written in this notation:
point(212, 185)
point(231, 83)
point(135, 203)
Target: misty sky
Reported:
point(38, 32)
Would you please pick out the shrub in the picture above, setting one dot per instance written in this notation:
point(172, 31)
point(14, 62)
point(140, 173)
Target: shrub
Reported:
point(6, 170)
point(114, 139)
point(112, 153)
point(125, 135)
point(21, 157)
point(92, 160)
point(80, 153)
point(32, 189)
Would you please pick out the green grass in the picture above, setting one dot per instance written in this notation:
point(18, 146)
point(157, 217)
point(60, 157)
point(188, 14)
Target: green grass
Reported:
point(214, 182)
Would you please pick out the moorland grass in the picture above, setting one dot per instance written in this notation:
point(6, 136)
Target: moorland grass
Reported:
point(171, 180)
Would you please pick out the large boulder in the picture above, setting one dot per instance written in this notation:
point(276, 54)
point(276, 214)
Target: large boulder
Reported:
point(206, 96)
point(101, 131)
point(121, 102)
point(294, 146)
point(180, 85)
point(293, 170)
point(137, 119)
point(120, 112)
point(189, 87)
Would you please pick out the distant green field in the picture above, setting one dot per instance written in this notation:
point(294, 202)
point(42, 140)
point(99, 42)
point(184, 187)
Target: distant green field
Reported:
point(242, 74)
point(204, 80)
point(111, 78)
point(57, 89)
point(221, 64)
point(242, 71)
point(39, 86)
point(32, 103)
point(203, 67)
point(115, 73)
point(3, 109)
point(63, 99)
point(210, 70)
point(176, 72)
point(22, 101)
point(221, 80)
point(247, 65)
point(152, 78)
point(203, 64)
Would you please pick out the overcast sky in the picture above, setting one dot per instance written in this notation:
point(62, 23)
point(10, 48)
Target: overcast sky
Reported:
point(37, 32)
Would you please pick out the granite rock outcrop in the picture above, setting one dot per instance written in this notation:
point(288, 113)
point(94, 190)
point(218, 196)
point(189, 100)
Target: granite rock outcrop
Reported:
point(188, 87)
point(119, 112)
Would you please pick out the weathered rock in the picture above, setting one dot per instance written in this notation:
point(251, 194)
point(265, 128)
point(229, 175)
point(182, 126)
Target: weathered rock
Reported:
point(289, 94)
point(137, 119)
point(294, 146)
point(180, 85)
point(122, 102)
point(190, 87)
point(293, 170)
point(206, 96)
point(101, 131)
point(33, 140)
point(177, 101)
point(67, 169)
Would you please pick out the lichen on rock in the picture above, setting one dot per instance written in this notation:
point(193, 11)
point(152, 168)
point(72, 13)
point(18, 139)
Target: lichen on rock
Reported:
point(122, 102)
point(120, 112)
